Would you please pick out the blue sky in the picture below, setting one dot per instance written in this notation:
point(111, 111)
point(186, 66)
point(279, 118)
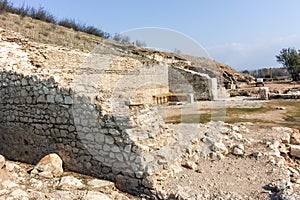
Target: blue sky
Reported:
point(241, 33)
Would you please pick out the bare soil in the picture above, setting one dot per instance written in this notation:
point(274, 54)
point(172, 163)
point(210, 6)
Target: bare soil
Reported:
point(235, 177)
point(242, 178)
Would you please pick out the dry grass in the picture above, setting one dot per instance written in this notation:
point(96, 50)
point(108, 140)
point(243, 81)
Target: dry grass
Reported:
point(47, 33)
point(290, 117)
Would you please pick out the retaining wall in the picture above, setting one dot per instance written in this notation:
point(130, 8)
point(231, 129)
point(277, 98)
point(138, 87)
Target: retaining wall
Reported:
point(188, 81)
point(38, 117)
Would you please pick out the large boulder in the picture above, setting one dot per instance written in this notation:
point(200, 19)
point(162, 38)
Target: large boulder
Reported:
point(49, 166)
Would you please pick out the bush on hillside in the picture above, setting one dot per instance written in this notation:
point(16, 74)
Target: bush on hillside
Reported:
point(121, 38)
point(43, 15)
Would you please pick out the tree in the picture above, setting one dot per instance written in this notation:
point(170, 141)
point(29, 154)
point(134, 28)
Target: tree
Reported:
point(290, 59)
point(140, 43)
point(245, 72)
point(121, 38)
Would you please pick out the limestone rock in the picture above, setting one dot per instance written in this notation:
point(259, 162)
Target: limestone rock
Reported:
point(70, 182)
point(97, 183)
point(216, 156)
point(9, 184)
point(295, 137)
point(190, 165)
point(118, 196)
point(208, 140)
point(12, 167)
point(2, 161)
point(238, 150)
point(295, 151)
point(283, 149)
point(236, 136)
point(285, 138)
point(49, 166)
point(219, 147)
point(19, 194)
point(91, 195)
point(4, 192)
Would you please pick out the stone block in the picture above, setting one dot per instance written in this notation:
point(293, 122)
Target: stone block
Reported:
point(109, 140)
point(295, 151)
point(41, 99)
point(68, 100)
point(50, 98)
point(59, 99)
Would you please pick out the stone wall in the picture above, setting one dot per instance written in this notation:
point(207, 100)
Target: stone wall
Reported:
point(39, 117)
point(188, 81)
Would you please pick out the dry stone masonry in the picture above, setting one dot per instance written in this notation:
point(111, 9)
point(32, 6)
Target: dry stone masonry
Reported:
point(38, 118)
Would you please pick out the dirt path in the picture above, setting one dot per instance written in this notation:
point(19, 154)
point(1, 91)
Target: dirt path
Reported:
point(241, 178)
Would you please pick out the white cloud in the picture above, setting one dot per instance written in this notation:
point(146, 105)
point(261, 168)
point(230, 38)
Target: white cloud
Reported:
point(253, 55)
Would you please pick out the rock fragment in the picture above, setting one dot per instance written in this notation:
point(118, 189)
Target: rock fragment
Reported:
point(19, 194)
point(219, 147)
point(2, 161)
point(238, 150)
point(190, 165)
point(97, 183)
point(91, 195)
point(295, 151)
point(70, 182)
point(295, 137)
point(49, 166)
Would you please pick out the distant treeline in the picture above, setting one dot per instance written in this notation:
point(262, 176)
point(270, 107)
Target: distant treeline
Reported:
point(268, 72)
point(43, 15)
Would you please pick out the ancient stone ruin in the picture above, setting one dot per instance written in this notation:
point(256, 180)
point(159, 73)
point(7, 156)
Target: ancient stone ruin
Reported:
point(97, 115)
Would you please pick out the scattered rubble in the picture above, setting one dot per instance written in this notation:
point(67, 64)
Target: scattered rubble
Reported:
point(227, 159)
point(17, 183)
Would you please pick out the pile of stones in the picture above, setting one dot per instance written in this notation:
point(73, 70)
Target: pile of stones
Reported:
point(48, 180)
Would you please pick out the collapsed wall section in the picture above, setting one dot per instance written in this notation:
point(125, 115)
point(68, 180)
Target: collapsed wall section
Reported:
point(38, 117)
